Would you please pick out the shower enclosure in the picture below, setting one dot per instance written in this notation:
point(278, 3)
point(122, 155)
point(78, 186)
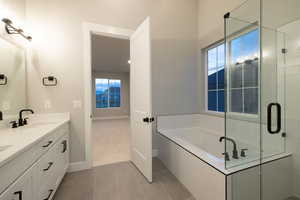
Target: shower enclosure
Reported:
point(262, 97)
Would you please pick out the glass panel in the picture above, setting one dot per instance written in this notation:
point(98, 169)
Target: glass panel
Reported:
point(242, 129)
point(212, 100)
point(244, 47)
point(212, 79)
point(277, 175)
point(221, 56)
point(280, 84)
point(212, 58)
point(114, 93)
point(101, 86)
point(221, 100)
point(236, 76)
point(251, 100)
point(236, 100)
point(251, 73)
point(221, 78)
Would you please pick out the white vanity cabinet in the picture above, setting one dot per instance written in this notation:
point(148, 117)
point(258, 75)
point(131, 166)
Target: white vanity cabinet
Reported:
point(51, 169)
point(37, 173)
point(21, 189)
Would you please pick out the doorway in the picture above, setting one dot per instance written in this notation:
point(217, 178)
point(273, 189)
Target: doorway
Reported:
point(140, 92)
point(110, 99)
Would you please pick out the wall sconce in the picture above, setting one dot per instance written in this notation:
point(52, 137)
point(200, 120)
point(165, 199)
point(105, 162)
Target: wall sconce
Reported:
point(49, 81)
point(10, 29)
point(3, 79)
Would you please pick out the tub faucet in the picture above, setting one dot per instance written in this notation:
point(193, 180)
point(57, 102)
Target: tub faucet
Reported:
point(235, 154)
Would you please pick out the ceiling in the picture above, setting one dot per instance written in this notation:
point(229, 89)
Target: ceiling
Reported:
point(110, 54)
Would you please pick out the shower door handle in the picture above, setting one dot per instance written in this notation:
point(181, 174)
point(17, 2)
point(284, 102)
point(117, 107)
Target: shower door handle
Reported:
point(269, 118)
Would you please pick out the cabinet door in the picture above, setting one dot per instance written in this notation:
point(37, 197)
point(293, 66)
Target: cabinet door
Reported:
point(21, 189)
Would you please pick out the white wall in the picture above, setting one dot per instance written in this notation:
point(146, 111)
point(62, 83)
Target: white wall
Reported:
point(57, 49)
point(125, 99)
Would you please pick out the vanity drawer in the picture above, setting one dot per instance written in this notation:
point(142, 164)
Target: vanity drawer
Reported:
point(46, 143)
point(46, 167)
point(16, 167)
point(21, 189)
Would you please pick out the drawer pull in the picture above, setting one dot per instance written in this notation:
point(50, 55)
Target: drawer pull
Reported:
point(48, 144)
point(64, 143)
point(49, 195)
point(20, 194)
point(49, 166)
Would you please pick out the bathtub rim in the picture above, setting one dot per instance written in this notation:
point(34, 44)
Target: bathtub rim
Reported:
point(233, 170)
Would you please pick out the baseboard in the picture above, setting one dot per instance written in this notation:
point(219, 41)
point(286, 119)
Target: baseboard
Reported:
point(78, 166)
point(108, 118)
point(154, 152)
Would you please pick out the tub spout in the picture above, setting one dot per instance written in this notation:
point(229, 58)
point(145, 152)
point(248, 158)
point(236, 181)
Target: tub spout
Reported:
point(235, 154)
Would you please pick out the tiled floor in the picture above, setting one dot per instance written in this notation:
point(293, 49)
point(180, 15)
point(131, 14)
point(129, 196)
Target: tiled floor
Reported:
point(121, 181)
point(111, 141)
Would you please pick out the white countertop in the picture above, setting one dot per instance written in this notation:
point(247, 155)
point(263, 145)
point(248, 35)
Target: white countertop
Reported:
point(20, 139)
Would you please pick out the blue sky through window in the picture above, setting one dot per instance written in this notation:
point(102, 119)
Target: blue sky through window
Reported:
point(244, 47)
point(108, 93)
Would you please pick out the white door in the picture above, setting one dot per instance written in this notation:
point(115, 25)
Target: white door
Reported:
point(141, 104)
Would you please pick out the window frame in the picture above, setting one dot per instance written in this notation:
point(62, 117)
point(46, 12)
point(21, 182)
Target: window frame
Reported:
point(109, 108)
point(233, 115)
point(214, 45)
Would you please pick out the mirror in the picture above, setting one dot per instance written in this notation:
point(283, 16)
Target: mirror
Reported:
point(12, 78)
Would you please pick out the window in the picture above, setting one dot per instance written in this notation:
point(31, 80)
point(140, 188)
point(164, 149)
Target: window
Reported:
point(242, 75)
point(108, 93)
point(215, 78)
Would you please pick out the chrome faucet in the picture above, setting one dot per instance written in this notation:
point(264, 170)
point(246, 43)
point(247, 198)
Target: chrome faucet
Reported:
point(235, 154)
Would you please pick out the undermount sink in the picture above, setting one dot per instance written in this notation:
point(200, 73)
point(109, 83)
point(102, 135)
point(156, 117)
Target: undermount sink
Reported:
point(3, 148)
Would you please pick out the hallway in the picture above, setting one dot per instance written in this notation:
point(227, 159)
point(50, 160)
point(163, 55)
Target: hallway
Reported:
point(111, 141)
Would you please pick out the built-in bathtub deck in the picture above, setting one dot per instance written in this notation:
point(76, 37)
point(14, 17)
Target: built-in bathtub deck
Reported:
point(189, 147)
point(177, 136)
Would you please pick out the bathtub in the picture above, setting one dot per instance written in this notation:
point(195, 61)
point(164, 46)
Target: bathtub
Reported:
point(189, 147)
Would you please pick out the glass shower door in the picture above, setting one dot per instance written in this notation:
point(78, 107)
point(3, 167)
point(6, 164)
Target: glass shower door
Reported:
point(280, 86)
point(262, 100)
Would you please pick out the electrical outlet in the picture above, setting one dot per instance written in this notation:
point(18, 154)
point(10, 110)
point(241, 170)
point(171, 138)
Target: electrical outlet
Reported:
point(47, 104)
point(6, 105)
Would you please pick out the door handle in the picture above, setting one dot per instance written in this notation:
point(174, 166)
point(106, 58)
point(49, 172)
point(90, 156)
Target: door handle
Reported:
point(64, 143)
point(148, 119)
point(20, 194)
point(48, 144)
point(269, 118)
point(49, 166)
point(49, 195)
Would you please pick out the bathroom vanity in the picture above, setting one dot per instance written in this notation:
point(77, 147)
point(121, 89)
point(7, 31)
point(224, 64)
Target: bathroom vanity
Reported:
point(34, 158)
